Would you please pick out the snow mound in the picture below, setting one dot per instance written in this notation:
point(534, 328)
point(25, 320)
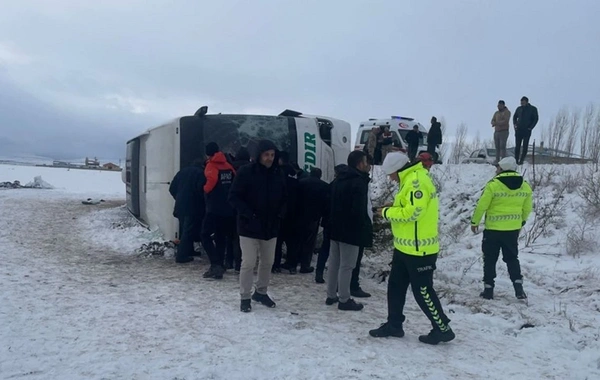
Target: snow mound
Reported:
point(39, 183)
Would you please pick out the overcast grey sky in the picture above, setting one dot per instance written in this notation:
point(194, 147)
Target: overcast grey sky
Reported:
point(79, 77)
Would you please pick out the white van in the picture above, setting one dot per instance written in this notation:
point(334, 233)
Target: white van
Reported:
point(399, 126)
point(154, 157)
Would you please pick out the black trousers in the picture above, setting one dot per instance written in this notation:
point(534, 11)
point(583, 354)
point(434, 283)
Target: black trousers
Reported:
point(416, 271)
point(217, 230)
point(521, 144)
point(355, 281)
point(189, 231)
point(288, 235)
point(431, 149)
point(237, 252)
point(324, 252)
point(307, 235)
point(412, 152)
point(493, 242)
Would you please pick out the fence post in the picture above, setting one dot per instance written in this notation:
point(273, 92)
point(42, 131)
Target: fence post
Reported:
point(533, 160)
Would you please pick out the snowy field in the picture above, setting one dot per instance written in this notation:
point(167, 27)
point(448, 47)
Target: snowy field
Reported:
point(78, 302)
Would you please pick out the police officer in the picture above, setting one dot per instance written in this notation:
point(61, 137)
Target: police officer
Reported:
point(506, 202)
point(414, 220)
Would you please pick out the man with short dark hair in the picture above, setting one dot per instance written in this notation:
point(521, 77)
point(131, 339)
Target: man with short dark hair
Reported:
point(259, 214)
point(525, 119)
point(312, 204)
point(434, 137)
point(413, 139)
point(187, 190)
point(501, 125)
point(351, 228)
point(219, 221)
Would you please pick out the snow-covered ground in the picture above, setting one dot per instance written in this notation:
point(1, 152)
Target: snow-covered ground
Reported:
point(78, 302)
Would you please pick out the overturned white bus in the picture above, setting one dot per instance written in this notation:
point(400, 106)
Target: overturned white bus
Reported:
point(154, 157)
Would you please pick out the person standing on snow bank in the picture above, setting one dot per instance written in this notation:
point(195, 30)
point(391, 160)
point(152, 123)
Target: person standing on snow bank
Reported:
point(350, 228)
point(187, 190)
point(506, 202)
point(414, 219)
point(219, 220)
point(258, 194)
point(501, 125)
point(434, 137)
point(413, 139)
point(525, 119)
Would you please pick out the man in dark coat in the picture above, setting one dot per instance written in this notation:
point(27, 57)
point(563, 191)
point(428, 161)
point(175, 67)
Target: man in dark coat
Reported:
point(351, 228)
point(434, 137)
point(187, 190)
point(313, 194)
point(242, 157)
point(258, 195)
point(525, 119)
point(219, 220)
point(413, 139)
point(288, 233)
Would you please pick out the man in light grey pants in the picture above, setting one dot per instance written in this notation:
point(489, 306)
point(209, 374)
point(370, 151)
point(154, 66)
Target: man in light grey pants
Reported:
point(258, 194)
point(351, 228)
point(500, 123)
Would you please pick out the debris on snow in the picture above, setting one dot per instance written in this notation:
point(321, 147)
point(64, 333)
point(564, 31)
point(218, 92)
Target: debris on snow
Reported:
point(157, 248)
point(37, 183)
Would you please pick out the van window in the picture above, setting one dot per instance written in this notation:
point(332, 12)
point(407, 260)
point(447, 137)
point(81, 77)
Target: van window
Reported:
point(364, 136)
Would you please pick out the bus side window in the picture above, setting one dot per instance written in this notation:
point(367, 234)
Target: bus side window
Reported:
point(325, 127)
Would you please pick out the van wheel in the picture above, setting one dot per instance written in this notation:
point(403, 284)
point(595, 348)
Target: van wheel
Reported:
point(436, 157)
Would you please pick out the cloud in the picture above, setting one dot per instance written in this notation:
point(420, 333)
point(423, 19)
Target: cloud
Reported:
point(10, 55)
point(114, 68)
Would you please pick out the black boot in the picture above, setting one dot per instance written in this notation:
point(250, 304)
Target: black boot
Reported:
point(307, 269)
point(488, 292)
point(387, 329)
point(264, 299)
point(246, 306)
point(215, 272)
point(319, 278)
point(436, 336)
point(331, 301)
point(359, 293)
point(350, 305)
point(519, 292)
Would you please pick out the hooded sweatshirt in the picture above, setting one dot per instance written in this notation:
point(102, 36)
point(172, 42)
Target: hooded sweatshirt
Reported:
point(219, 178)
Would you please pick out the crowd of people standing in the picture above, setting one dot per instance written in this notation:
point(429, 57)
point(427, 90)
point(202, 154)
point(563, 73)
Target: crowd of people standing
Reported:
point(243, 210)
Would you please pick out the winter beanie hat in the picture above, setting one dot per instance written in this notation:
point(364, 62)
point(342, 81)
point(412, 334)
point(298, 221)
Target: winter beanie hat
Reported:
point(508, 163)
point(211, 149)
point(394, 162)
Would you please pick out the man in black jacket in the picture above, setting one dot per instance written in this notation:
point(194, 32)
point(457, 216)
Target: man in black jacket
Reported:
point(525, 119)
point(434, 137)
point(187, 190)
point(288, 233)
point(413, 139)
point(351, 228)
point(219, 222)
point(313, 194)
point(258, 195)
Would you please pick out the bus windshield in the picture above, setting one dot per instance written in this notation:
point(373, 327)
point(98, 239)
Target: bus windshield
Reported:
point(232, 132)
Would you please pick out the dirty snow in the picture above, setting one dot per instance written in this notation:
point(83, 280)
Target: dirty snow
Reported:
point(77, 301)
